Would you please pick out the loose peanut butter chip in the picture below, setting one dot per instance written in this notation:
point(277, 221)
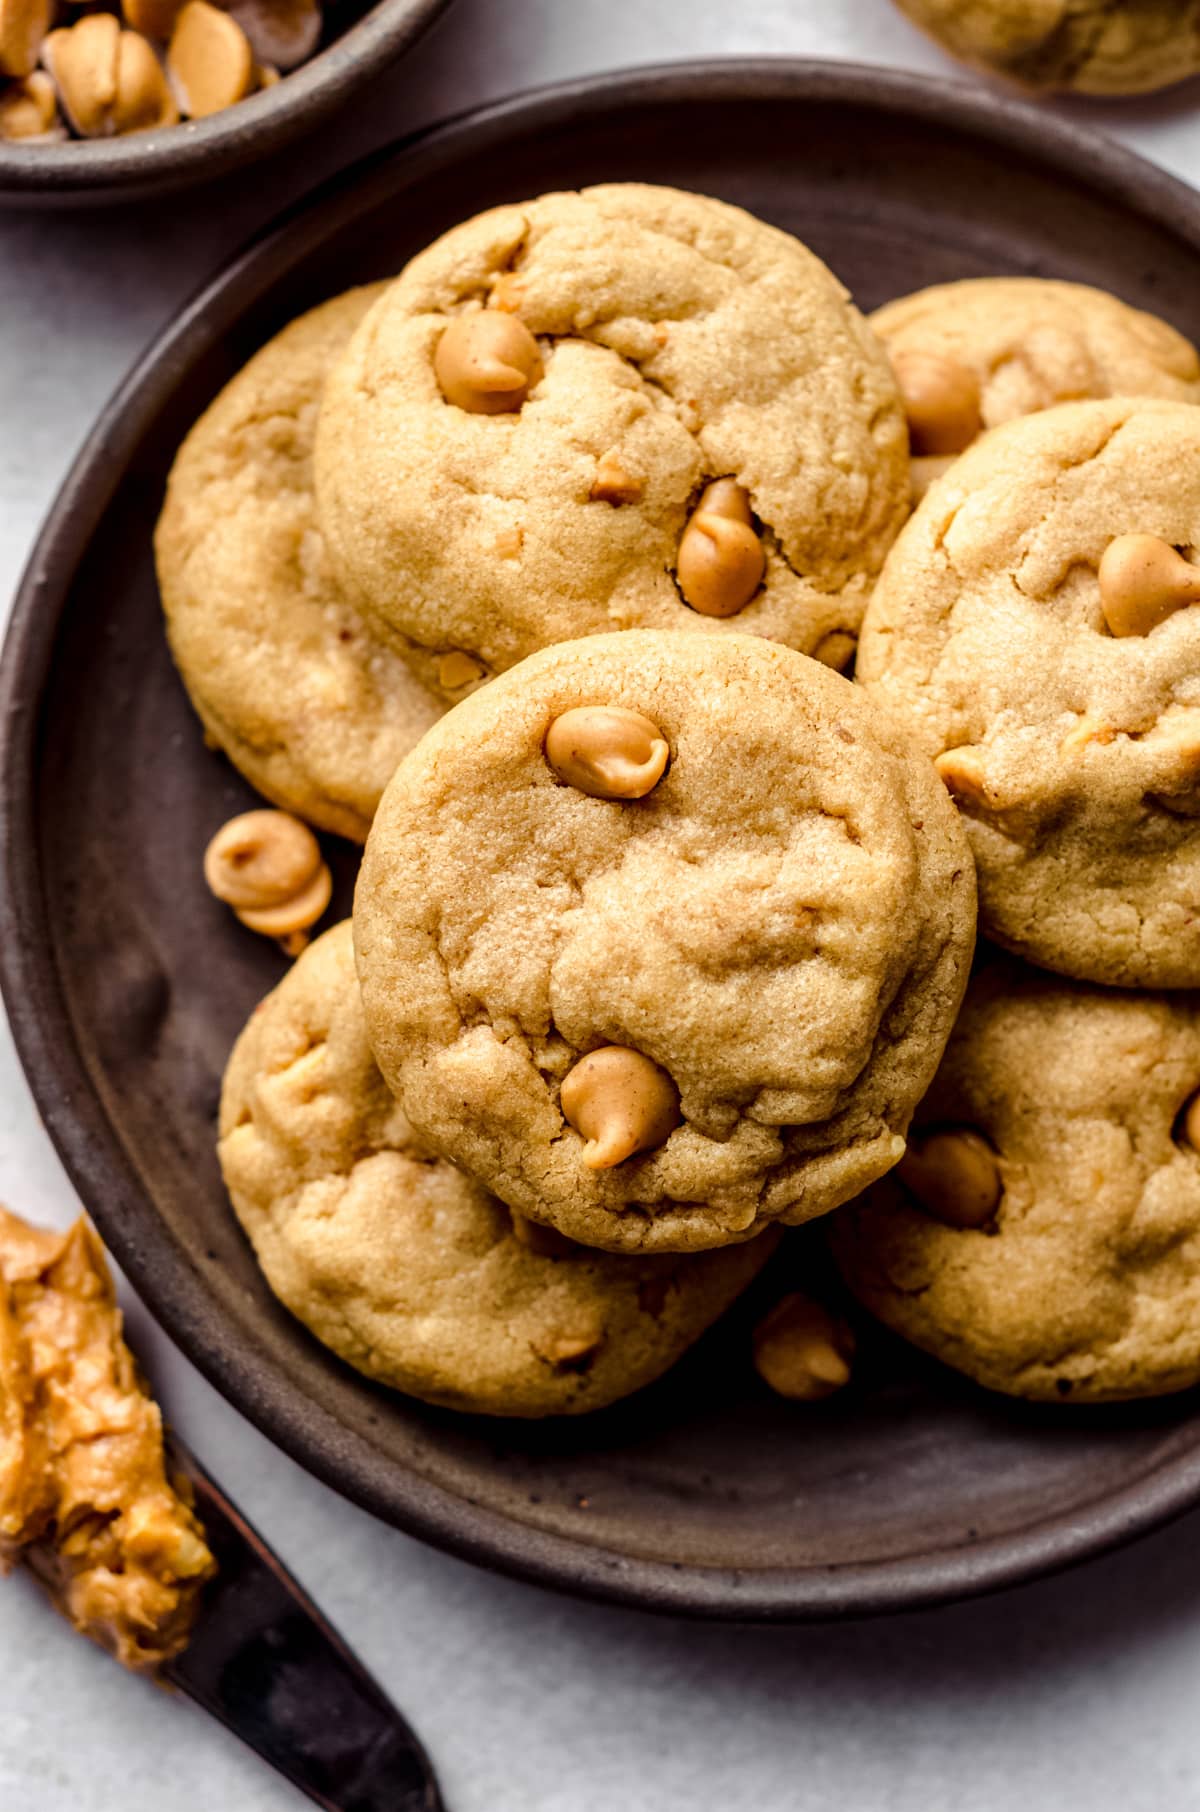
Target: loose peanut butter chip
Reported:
point(29, 109)
point(269, 868)
point(209, 60)
point(23, 25)
point(607, 751)
point(456, 670)
point(487, 362)
point(941, 400)
point(720, 563)
point(1191, 1122)
point(802, 1351)
point(613, 483)
point(1143, 581)
point(621, 1103)
point(954, 1175)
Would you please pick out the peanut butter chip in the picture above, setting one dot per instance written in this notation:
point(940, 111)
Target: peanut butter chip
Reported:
point(1143, 581)
point(802, 1351)
point(487, 362)
point(281, 33)
point(941, 400)
point(1191, 1122)
point(456, 670)
point(209, 60)
point(28, 108)
point(720, 563)
point(621, 1103)
point(961, 772)
point(23, 25)
point(153, 18)
point(613, 484)
point(836, 650)
point(607, 752)
point(268, 867)
point(954, 1175)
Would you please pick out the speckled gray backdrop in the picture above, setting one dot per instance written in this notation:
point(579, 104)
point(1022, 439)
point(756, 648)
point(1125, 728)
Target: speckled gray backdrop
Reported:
point(1080, 1693)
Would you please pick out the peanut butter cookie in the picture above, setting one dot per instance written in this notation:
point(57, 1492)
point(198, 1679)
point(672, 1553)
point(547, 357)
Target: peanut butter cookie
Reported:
point(286, 676)
point(661, 937)
point(624, 408)
point(970, 355)
point(405, 1267)
point(1033, 632)
point(1043, 1235)
point(1090, 46)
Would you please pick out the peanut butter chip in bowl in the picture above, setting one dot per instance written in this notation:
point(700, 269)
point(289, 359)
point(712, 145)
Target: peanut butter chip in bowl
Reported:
point(29, 108)
point(269, 868)
point(109, 81)
point(606, 751)
point(487, 362)
point(802, 1351)
point(23, 25)
point(209, 60)
point(1143, 581)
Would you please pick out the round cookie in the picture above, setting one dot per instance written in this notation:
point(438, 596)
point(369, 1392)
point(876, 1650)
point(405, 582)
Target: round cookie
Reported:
point(402, 1265)
point(1009, 346)
point(679, 341)
point(1072, 752)
point(1089, 46)
point(284, 673)
point(773, 934)
point(1084, 1284)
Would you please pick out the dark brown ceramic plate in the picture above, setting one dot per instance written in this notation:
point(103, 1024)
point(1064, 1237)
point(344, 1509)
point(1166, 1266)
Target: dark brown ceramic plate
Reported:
point(126, 984)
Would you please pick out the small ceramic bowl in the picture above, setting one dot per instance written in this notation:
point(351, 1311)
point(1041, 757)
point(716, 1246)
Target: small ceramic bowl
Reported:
point(358, 41)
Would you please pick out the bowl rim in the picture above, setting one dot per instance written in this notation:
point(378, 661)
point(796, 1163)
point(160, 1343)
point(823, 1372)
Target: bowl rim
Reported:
point(102, 1171)
point(195, 150)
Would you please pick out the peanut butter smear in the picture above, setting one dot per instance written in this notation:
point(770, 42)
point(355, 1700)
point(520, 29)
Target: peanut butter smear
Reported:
point(85, 1499)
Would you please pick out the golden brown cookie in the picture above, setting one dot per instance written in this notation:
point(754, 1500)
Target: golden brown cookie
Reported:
point(286, 676)
point(526, 426)
point(970, 355)
point(1089, 46)
point(661, 937)
point(1057, 685)
point(405, 1267)
point(1081, 1281)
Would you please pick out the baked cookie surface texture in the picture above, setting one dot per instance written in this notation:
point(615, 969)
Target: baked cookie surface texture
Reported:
point(1089, 46)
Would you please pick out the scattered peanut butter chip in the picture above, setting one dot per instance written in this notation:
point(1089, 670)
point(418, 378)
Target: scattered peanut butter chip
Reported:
point(209, 60)
point(280, 32)
point(268, 866)
point(542, 1241)
point(607, 751)
point(456, 670)
point(1143, 581)
point(941, 400)
point(621, 1103)
point(613, 484)
point(720, 562)
point(487, 362)
point(802, 1351)
point(29, 108)
point(23, 26)
point(836, 649)
point(955, 1176)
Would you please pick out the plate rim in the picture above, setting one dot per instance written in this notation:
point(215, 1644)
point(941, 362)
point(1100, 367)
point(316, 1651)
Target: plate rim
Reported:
point(102, 1171)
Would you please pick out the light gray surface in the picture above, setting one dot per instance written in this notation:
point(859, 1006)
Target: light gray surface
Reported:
point(1080, 1693)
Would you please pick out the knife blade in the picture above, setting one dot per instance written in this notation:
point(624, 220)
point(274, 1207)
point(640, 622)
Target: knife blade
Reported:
point(268, 1665)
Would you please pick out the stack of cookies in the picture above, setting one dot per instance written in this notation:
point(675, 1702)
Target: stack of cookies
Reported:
point(535, 569)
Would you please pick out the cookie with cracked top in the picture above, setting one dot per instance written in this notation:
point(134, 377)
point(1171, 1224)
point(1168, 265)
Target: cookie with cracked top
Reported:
point(661, 937)
point(1089, 46)
point(1034, 631)
point(527, 426)
point(286, 675)
point(405, 1267)
point(1076, 1277)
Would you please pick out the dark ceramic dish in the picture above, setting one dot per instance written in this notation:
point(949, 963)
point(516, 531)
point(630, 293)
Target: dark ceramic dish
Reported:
point(126, 984)
point(359, 40)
